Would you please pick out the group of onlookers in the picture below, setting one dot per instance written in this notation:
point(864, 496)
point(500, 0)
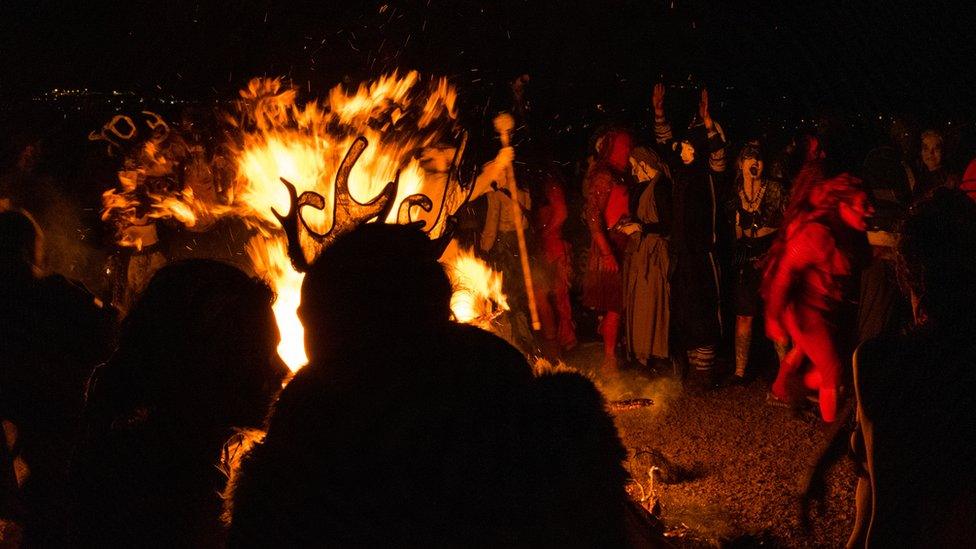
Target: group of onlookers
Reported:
point(171, 426)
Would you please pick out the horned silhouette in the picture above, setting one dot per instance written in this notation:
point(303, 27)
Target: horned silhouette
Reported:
point(348, 213)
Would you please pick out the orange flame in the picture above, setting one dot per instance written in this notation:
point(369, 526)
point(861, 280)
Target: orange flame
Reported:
point(274, 137)
point(478, 298)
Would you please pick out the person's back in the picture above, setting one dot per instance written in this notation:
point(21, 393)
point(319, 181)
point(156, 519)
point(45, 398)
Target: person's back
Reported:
point(918, 420)
point(916, 433)
point(408, 429)
point(54, 332)
point(196, 360)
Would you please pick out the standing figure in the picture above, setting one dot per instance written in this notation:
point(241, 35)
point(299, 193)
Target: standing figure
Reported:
point(698, 160)
point(499, 241)
point(914, 441)
point(759, 206)
point(195, 363)
point(647, 294)
point(606, 204)
point(52, 334)
point(552, 268)
point(810, 287)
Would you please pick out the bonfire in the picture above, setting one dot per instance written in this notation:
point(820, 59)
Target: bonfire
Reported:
point(301, 174)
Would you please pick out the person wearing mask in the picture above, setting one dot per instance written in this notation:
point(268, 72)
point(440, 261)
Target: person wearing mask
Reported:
point(605, 191)
point(758, 208)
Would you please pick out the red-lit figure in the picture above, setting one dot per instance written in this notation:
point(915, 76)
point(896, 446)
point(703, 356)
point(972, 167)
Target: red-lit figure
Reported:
point(606, 203)
point(810, 286)
point(553, 267)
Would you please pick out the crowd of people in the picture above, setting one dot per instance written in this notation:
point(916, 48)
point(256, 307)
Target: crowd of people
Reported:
point(696, 243)
point(178, 425)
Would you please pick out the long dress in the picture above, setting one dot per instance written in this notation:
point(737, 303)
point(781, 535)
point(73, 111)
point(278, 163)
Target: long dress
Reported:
point(647, 294)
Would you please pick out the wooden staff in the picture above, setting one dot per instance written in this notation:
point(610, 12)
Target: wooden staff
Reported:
point(504, 123)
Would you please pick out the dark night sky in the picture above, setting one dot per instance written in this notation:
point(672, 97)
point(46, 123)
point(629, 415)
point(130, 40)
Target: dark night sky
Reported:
point(866, 56)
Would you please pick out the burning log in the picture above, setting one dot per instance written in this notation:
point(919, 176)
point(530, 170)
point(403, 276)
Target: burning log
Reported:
point(629, 404)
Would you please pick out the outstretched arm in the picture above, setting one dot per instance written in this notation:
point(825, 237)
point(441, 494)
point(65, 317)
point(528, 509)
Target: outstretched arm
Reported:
point(662, 128)
point(716, 137)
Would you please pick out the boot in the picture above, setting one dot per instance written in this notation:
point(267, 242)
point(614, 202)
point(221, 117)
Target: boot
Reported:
point(701, 363)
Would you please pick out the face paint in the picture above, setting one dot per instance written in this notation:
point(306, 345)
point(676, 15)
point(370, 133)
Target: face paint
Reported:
point(855, 212)
point(932, 151)
point(687, 152)
point(753, 167)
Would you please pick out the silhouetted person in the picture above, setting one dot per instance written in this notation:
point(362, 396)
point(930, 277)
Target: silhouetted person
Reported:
point(196, 359)
point(916, 434)
point(52, 333)
point(408, 429)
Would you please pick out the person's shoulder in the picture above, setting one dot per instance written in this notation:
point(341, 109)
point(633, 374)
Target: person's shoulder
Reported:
point(484, 347)
point(58, 288)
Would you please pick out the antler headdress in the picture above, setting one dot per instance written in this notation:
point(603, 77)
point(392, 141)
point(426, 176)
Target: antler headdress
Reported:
point(348, 212)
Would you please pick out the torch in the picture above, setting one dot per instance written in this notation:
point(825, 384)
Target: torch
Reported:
point(504, 123)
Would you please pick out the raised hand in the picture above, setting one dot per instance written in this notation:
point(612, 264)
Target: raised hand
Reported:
point(703, 110)
point(658, 99)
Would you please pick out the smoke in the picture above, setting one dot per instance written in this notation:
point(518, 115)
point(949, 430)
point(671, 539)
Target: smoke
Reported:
point(622, 385)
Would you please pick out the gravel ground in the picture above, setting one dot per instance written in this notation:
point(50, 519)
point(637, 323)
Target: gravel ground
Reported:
point(729, 464)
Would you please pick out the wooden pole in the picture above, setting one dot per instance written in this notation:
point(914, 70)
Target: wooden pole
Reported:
point(504, 123)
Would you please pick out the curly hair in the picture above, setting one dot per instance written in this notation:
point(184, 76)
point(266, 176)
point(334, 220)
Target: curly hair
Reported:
point(814, 199)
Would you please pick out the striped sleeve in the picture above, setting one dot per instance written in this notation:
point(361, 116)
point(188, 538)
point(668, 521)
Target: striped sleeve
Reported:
point(662, 130)
point(716, 143)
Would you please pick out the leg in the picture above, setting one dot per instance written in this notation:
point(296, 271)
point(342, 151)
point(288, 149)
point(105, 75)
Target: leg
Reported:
point(546, 315)
point(827, 368)
point(781, 350)
point(788, 368)
point(610, 329)
point(818, 340)
point(743, 340)
point(702, 360)
point(566, 334)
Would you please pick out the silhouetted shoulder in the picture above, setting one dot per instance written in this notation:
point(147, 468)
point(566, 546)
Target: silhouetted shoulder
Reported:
point(482, 349)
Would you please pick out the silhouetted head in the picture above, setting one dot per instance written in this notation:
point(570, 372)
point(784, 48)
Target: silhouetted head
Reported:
point(936, 251)
point(374, 282)
point(199, 343)
point(21, 245)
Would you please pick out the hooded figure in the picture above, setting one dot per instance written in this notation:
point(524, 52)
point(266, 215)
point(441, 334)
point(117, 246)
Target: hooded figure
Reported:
point(697, 162)
point(648, 262)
